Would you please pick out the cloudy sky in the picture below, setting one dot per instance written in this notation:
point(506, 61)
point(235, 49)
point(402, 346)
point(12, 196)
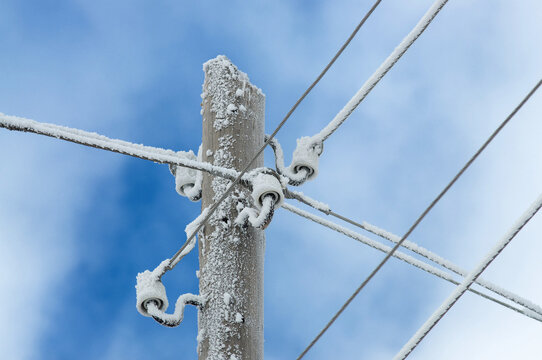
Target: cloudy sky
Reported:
point(77, 224)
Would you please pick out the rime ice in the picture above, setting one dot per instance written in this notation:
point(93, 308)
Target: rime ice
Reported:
point(234, 110)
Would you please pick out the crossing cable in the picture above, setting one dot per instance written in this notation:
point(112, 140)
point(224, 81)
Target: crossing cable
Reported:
point(390, 61)
point(420, 218)
point(467, 282)
point(404, 257)
point(416, 249)
point(89, 139)
point(213, 208)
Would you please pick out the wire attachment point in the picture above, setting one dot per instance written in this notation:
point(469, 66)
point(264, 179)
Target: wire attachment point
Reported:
point(266, 182)
point(150, 290)
point(305, 158)
point(267, 194)
point(257, 219)
point(152, 299)
point(188, 181)
point(175, 319)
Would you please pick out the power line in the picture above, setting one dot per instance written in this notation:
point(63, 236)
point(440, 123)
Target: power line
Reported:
point(401, 256)
point(157, 155)
point(418, 250)
point(420, 218)
point(467, 282)
point(270, 137)
point(390, 61)
point(91, 139)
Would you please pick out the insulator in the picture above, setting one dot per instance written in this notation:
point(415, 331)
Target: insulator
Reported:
point(185, 178)
point(266, 184)
point(150, 290)
point(306, 156)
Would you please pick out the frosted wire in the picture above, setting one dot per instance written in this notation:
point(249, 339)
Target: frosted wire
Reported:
point(294, 178)
point(173, 320)
point(417, 249)
point(190, 240)
point(119, 146)
point(452, 267)
point(237, 177)
point(399, 255)
point(422, 216)
point(258, 219)
point(380, 72)
point(318, 205)
point(281, 124)
point(467, 282)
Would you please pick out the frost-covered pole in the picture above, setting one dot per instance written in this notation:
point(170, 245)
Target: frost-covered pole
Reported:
point(231, 256)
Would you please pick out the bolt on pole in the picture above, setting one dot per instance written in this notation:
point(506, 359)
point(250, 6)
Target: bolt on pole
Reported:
point(231, 256)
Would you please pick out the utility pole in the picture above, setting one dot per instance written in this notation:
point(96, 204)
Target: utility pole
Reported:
point(231, 256)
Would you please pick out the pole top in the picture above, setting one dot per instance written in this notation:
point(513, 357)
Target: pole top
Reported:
point(222, 67)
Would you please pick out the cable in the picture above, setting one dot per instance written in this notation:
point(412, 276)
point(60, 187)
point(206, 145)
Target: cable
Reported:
point(467, 282)
point(175, 319)
point(270, 138)
point(328, 66)
point(294, 178)
point(404, 257)
point(418, 250)
point(380, 72)
point(420, 218)
point(258, 219)
point(210, 168)
point(98, 141)
point(236, 178)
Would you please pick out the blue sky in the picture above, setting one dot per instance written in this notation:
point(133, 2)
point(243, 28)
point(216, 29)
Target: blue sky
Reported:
point(77, 224)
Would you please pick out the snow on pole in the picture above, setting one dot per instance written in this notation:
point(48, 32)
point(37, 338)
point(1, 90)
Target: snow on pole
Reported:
point(401, 256)
point(231, 255)
point(380, 72)
point(468, 281)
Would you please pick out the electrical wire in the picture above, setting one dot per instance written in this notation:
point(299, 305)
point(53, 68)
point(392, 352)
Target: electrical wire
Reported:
point(467, 282)
point(270, 137)
point(418, 250)
point(175, 319)
point(235, 178)
point(91, 139)
point(390, 61)
point(404, 257)
point(420, 218)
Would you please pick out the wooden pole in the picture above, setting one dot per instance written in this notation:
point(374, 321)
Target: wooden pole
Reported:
point(231, 257)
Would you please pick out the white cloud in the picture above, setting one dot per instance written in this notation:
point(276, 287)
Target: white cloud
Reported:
point(400, 148)
point(43, 188)
point(395, 153)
